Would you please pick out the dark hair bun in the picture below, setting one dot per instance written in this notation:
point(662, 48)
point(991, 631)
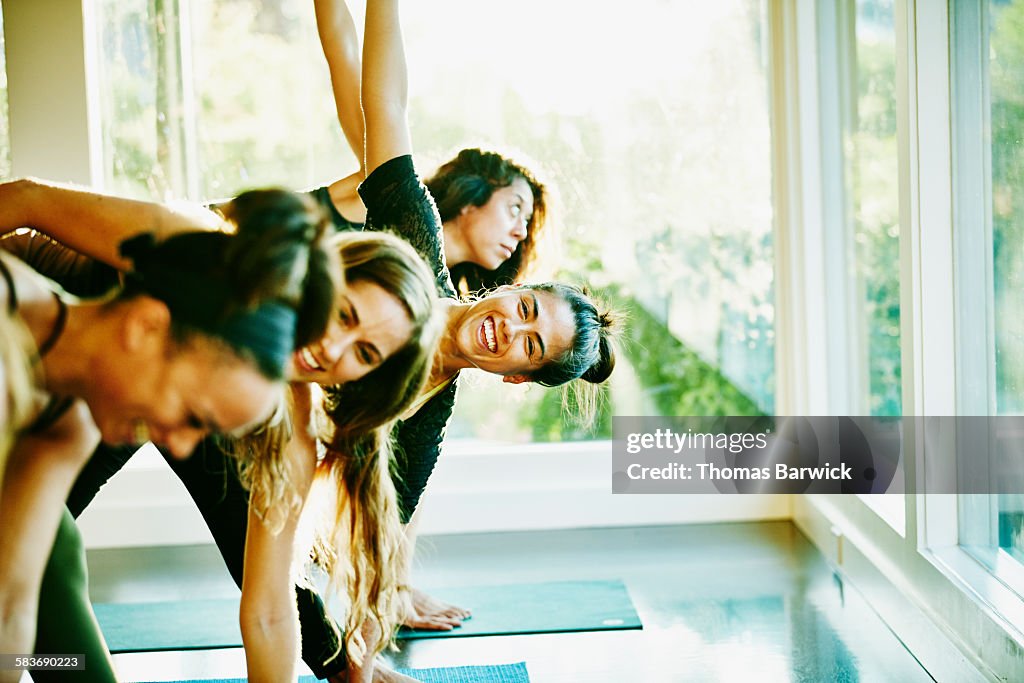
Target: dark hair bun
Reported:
point(602, 368)
point(281, 250)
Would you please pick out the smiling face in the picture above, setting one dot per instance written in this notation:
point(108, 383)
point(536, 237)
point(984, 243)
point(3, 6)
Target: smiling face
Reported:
point(492, 232)
point(371, 325)
point(515, 332)
point(151, 388)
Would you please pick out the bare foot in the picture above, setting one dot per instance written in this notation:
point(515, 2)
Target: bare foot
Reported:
point(430, 614)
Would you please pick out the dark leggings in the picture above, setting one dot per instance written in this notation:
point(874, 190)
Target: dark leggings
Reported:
point(212, 481)
point(66, 623)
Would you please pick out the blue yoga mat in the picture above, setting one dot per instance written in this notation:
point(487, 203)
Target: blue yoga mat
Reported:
point(497, 673)
point(554, 607)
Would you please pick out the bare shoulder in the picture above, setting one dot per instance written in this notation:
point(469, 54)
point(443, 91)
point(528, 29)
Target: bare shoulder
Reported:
point(28, 284)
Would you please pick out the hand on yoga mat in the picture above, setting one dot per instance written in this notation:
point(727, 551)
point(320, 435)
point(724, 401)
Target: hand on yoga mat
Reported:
point(382, 673)
point(430, 614)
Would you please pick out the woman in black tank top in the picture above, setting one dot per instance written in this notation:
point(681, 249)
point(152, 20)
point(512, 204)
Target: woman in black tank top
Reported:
point(196, 342)
point(493, 208)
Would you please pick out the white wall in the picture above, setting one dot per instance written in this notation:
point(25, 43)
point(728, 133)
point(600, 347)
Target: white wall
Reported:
point(54, 120)
point(473, 489)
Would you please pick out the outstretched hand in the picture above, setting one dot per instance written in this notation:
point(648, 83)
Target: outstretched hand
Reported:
point(430, 614)
point(382, 673)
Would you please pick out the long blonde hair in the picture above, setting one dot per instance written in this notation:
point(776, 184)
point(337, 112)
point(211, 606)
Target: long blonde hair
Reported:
point(18, 380)
point(366, 529)
point(360, 545)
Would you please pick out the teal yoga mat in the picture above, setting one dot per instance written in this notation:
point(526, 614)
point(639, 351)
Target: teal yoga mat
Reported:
point(554, 607)
point(496, 673)
point(497, 610)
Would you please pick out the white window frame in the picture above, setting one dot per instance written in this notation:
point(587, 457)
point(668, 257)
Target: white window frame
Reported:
point(950, 611)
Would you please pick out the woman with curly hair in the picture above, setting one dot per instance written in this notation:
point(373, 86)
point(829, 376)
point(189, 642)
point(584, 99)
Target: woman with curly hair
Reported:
point(493, 208)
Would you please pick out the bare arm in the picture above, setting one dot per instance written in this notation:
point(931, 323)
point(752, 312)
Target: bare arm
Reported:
point(385, 86)
point(340, 43)
point(40, 471)
point(89, 222)
point(268, 616)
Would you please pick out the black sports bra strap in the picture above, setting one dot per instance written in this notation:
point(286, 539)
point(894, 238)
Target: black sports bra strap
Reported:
point(58, 326)
point(12, 293)
point(51, 412)
point(12, 307)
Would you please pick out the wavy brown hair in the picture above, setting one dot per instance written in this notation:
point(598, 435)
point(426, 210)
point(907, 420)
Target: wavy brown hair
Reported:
point(469, 180)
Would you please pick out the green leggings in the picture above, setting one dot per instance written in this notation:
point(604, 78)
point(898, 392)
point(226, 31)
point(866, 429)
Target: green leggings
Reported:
point(67, 624)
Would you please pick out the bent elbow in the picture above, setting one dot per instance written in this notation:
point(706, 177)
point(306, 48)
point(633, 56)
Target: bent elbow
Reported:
point(265, 622)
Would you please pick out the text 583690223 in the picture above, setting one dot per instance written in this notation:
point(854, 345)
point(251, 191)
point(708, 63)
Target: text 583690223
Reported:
point(42, 662)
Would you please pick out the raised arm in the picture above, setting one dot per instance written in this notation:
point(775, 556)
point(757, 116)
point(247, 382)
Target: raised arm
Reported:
point(340, 42)
point(385, 85)
point(89, 222)
point(394, 197)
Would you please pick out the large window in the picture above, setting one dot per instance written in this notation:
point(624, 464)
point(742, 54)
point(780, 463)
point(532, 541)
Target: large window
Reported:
point(1007, 125)
point(652, 127)
point(655, 133)
point(989, 127)
point(1006, 101)
point(869, 292)
point(860, 168)
point(204, 100)
point(871, 171)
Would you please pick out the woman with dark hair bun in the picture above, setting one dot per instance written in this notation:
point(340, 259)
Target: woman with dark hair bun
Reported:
point(196, 341)
point(380, 334)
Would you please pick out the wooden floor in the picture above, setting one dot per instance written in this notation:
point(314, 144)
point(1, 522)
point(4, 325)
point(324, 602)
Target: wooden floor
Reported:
point(723, 602)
